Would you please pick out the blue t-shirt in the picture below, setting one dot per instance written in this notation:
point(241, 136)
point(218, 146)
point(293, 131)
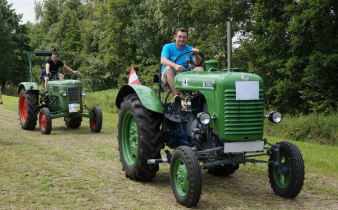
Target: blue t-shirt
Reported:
point(170, 51)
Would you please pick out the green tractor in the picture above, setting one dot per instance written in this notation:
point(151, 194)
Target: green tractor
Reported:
point(63, 99)
point(216, 124)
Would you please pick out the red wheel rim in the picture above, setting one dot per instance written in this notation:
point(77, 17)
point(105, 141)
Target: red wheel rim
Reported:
point(93, 121)
point(23, 109)
point(42, 120)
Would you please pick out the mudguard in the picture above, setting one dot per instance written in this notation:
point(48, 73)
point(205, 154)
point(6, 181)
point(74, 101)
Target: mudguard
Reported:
point(148, 97)
point(28, 86)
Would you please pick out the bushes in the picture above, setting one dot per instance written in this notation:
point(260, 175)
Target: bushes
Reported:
point(316, 128)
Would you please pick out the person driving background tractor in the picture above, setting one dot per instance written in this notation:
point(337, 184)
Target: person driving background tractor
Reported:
point(52, 69)
point(169, 54)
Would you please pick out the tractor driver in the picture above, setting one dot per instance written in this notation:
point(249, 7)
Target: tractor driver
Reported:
point(170, 52)
point(52, 69)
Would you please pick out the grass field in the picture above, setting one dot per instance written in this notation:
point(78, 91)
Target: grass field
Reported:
point(76, 169)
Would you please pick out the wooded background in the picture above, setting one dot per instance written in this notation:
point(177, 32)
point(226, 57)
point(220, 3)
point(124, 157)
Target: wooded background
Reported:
point(292, 44)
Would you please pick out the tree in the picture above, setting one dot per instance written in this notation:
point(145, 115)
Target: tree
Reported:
point(293, 46)
point(13, 41)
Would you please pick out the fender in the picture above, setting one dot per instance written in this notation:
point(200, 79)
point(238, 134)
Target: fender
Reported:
point(148, 97)
point(28, 86)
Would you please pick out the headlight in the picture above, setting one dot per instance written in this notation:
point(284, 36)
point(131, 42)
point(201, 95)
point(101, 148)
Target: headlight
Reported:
point(275, 117)
point(203, 118)
point(83, 93)
point(63, 93)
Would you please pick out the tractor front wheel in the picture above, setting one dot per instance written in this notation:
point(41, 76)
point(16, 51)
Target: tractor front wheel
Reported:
point(185, 176)
point(45, 121)
point(28, 109)
point(139, 139)
point(95, 121)
point(287, 178)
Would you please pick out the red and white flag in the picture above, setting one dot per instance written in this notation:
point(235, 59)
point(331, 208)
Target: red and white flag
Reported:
point(133, 78)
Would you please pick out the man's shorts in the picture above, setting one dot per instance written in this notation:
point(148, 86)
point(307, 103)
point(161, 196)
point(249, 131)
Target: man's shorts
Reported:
point(44, 75)
point(164, 81)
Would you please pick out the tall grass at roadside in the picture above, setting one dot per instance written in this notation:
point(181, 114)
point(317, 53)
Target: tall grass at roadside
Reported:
point(315, 128)
point(104, 99)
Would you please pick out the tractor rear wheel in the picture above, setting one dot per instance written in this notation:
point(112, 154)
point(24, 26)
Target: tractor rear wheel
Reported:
point(225, 170)
point(45, 121)
point(139, 139)
point(28, 109)
point(185, 176)
point(95, 121)
point(287, 179)
point(73, 122)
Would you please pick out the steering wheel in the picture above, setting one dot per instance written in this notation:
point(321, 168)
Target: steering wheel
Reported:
point(199, 53)
point(72, 75)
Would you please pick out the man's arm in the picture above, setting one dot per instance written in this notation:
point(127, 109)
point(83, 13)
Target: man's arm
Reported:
point(166, 62)
point(69, 69)
point(198, 58)
point(47, 68)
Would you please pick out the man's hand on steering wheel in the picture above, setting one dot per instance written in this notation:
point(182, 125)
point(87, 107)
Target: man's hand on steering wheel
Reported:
point(195, 51)
point(179, 67)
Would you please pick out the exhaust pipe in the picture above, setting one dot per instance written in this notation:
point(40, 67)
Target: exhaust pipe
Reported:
point(229, 45)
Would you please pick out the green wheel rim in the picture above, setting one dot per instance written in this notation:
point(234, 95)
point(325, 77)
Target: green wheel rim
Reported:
point(281, 174)
point(180, 177)
point(129, 138)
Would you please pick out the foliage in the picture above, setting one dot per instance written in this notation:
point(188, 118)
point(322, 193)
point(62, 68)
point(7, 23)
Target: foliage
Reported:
point(291, 44)
point(13, 40)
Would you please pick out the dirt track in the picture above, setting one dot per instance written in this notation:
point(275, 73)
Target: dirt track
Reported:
point(77, 169)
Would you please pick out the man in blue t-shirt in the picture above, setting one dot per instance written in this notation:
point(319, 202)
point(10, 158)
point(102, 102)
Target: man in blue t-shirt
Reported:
point(169, 54)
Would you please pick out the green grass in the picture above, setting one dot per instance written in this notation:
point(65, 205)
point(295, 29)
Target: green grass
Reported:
point(77, 169)
point(315, 128)
point(10, 103)
point(104, 99)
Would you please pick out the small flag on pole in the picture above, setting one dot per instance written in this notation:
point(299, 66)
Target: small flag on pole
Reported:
point(133, 78)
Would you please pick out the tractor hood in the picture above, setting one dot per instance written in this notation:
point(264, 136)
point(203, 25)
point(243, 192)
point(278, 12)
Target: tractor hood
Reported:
point(64, 83)
point(204, 81)
point(234, 99)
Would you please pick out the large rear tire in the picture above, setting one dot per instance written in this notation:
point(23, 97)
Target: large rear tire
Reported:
point(28, 109)
point(287, 179)
point(185, 176)
point(95, 121)
point(139, 139)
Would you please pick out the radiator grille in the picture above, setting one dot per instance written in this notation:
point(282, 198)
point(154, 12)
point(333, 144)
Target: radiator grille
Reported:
point(242, 117)
point(74, 94)
point(55, 89)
